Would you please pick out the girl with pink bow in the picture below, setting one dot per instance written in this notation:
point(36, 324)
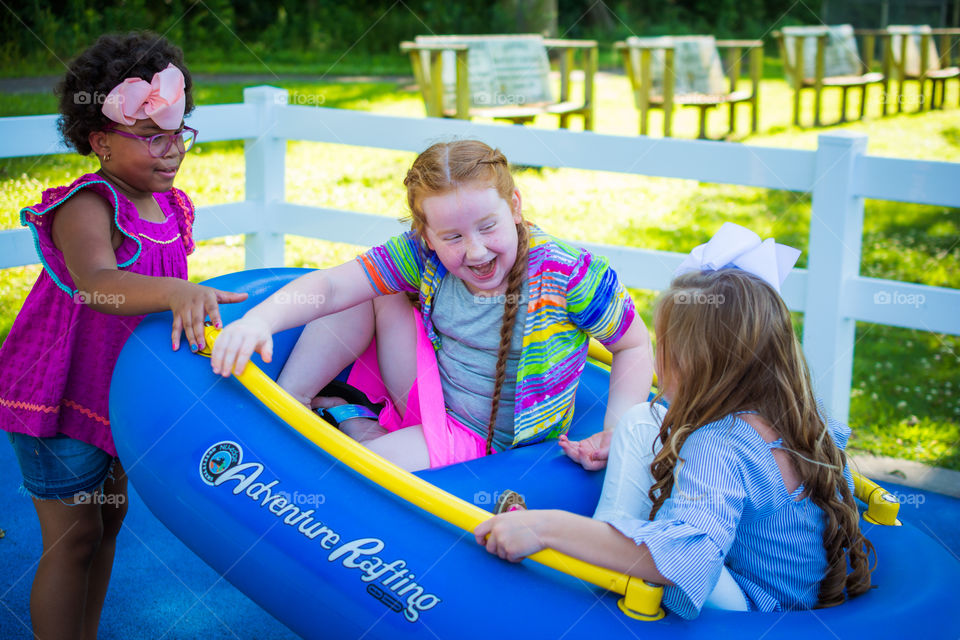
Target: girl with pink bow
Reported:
point(114, 246)
point(731, 488)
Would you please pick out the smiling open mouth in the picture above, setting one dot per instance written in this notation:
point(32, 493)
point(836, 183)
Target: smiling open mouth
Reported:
point(483, 270)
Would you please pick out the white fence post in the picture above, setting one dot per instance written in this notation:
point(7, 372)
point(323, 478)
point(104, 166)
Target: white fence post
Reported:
point(265, 158)
point(836, 231)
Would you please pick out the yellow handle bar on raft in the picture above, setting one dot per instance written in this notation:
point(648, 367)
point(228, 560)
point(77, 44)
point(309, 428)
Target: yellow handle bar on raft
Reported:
point(641, 599)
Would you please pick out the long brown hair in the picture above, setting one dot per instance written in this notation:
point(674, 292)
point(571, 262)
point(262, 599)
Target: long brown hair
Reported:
point(443, 167)
point(725, 344)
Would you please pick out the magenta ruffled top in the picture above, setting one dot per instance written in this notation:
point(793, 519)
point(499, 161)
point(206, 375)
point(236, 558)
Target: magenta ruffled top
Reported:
point(56, 363)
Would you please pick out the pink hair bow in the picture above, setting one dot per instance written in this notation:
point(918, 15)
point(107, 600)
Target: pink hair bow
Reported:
point(736, 246)
point(162, 99)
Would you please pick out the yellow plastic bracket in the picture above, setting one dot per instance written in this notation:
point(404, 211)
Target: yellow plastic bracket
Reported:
point(641, 601)
point(882, 506)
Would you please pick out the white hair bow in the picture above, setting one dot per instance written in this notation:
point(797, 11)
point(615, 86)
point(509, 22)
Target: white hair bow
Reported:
point(736, 246)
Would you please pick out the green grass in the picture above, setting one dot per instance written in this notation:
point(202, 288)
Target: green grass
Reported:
point(905, 400)
point(248, 62)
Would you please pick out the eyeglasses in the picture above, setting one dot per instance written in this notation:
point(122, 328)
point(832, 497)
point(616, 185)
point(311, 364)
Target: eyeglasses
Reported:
point(158, 145)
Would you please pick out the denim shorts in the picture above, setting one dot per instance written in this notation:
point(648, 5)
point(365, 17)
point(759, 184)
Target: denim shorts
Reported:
point(61, 466)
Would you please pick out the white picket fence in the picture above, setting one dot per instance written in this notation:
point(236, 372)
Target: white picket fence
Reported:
point(830, 292)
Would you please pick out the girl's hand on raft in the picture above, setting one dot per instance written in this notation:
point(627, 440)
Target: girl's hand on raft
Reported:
point(191, 304)
point(590, 453)
point(237, 342)
point(513, 535)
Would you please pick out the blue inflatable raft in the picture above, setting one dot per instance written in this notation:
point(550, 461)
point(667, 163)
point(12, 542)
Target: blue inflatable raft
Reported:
point(336, 543)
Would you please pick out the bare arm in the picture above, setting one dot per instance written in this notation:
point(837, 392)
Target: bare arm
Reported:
point(84, 233)
point(314, 295)
point(631, 375)
point(518, 534)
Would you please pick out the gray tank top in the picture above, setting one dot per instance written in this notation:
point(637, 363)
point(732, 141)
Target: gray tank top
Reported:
point(469, 330)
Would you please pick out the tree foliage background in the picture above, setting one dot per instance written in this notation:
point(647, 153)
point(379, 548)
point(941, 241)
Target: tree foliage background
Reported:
point(47, 32)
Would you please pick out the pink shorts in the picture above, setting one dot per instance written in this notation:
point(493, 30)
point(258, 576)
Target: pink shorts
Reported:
point(448, 441)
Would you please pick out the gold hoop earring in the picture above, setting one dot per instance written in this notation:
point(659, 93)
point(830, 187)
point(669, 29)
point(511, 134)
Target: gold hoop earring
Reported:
point(106, 157)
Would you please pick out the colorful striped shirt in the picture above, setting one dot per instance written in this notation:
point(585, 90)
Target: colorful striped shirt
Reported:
point(729, 506)
point(573, 295)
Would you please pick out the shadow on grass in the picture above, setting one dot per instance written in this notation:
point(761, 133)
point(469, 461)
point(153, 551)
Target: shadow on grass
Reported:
point(784, 215)
point(902, 241)
point(952, 136)
point(334, 95)
point(905, 400)
point(911, 242)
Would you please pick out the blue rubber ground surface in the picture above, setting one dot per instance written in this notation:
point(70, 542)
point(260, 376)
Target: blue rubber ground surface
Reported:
point(160, 590)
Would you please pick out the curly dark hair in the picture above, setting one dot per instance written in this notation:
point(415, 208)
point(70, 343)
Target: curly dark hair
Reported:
point(95, 72)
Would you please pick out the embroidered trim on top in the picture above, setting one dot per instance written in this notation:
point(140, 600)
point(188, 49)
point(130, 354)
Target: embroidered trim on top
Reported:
point(36, 233)
point(155, 241)
point(186, 221)
point(185, 204)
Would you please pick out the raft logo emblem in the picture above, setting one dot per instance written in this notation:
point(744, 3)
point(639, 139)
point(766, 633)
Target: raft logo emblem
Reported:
point(218, 459)
point(390, 582)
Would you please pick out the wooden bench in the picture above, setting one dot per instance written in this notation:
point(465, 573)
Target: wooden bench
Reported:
point(504, 77)
point(827, 56)
point(913, 56)
point(673, 71)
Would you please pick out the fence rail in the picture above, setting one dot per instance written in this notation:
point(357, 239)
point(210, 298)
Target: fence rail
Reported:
point(830, 292)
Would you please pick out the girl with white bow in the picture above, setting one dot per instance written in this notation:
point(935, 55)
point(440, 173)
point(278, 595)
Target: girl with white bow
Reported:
point(730, 488)
point(114, 246)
